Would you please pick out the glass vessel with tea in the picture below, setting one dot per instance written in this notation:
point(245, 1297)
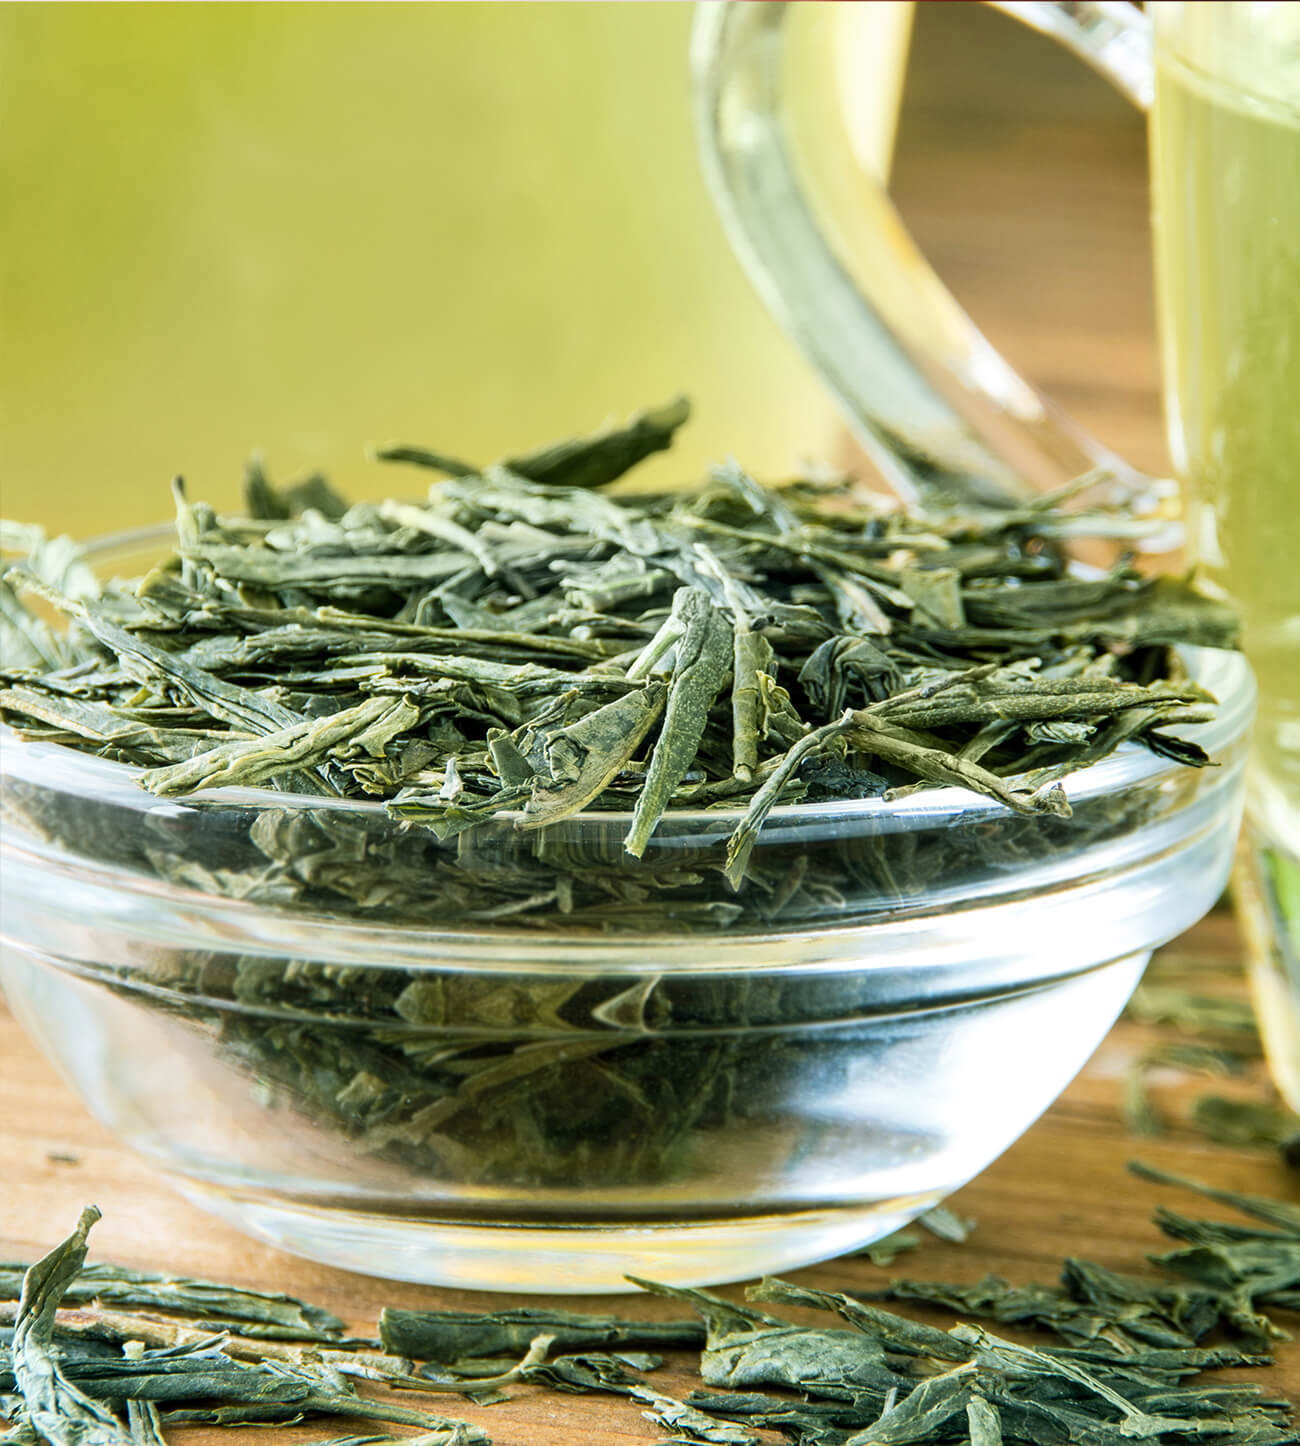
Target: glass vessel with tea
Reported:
point(1225, 148)
point(928, 393)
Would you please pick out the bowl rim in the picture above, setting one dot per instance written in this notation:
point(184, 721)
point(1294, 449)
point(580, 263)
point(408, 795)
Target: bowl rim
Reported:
point(1131, 765)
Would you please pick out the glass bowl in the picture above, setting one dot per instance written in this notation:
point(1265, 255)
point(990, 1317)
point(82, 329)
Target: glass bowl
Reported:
point(520, 1059)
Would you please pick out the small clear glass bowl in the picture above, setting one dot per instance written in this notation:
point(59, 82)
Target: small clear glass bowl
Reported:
point(522, 1060)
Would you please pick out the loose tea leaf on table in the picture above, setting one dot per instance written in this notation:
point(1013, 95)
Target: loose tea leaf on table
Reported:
point(1203, 1033)
point(450, 1335)
point(939, 1221)
point(1283, 1217)
point(948, 1383)
point(1244, 1121)
point(53, 1407)
point(446, 1436)
point(244, 1312)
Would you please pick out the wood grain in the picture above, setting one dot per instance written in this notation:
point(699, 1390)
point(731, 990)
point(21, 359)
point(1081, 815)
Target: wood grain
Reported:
point(1024, 179)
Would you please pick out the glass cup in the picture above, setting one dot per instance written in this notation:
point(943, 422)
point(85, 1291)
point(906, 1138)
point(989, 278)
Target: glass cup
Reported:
point(936, 405)
point(1225, 157)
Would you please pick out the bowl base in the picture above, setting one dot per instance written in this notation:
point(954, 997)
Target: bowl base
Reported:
point(586, 1259)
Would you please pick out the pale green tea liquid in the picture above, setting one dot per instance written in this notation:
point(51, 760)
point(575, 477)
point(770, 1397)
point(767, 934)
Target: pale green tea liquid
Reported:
point(1226, 168)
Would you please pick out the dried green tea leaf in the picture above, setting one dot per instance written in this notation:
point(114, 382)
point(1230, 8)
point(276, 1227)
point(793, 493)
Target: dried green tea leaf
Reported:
point(362, 731)
point(847, 671)
point(595, 461)
point(906, 749)
point(810, 1423)
point(27, 643)
point(944, 1222)
point(936, 596)
point(1135, 1423)
point(240, 707)
point(676, 1415)
point(703, 662)
point(993, 1298)
point(752, 658)
point(1194, 1013)
point(279, 1316)
point(509, 765)
point(723, 1319)
point(586, 756)
point(1136, 1105)
point(586, 1373)
point(205, 1373)
point(894, 1332)
point(746, 1348)
point(884, 1252)
point(436, 524)
point(1277, 1213)
point(1244, 1122)
point(424, 457)
point(59, 1412)
point(743, 839)
point(265, 501)
point(924, 1414)
point(58, 562)
point(983, 1423)
point(144, 1423)
point(451, 1335)
point(456, 1434)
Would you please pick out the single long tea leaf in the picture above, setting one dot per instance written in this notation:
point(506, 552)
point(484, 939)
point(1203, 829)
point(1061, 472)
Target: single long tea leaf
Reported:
point(57, 1410)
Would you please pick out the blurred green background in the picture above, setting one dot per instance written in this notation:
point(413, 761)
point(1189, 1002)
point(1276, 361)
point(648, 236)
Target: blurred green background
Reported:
point(306, 228)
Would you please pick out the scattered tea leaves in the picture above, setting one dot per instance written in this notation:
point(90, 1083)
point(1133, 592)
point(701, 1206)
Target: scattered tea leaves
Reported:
point(66, 1391)
point(1128, 1368)
point(1204, 1033)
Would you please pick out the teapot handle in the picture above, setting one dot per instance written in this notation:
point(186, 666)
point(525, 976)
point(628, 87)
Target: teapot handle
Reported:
point(937, 408)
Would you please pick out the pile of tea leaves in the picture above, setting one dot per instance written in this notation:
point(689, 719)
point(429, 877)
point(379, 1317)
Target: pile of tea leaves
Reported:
point(104, 1356)
point(524, 641)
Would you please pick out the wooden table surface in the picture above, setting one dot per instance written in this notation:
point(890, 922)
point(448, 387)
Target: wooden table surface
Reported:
point(1024, 178)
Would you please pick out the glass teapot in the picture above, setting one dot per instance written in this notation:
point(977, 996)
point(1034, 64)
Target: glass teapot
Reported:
point(779, 92)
